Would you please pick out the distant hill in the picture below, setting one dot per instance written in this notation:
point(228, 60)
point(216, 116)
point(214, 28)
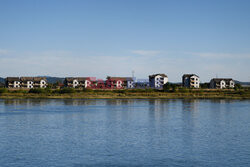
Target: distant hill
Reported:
point(53, 79)
point(242, 83)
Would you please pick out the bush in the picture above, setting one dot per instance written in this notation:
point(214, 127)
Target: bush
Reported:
point(119, 91)
point(3, 90)
point(151, 90)
point(20, 91)
point(166, 87)
point(48, 90)
point(136, 90)
point(183, 90)
point(200, 90)
point(237, 86)
point(56, 91)
point(90, 90)
point(37, 90)
point(174, 88)
point(169, 87)
point(67, 90)
point(40, 90)
point(204, 85)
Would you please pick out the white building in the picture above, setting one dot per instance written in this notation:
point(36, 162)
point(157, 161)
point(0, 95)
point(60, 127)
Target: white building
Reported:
point(39, 82)
point(157, 80)
point(26, 82)
point(190, 81)
point(220, 83)
point(77, 82)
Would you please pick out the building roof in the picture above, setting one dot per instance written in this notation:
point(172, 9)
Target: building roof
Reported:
point(11, 79)
point(26, 78)
point(189, 75)
point(220, 79)
point(37, 79)
point(120, 78)
point(154, 75)
point(23, 79)
point(71, 79)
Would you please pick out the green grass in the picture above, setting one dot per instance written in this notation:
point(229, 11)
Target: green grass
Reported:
point(128, 93)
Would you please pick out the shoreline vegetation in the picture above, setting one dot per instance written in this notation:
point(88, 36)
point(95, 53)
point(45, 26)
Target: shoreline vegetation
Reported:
point(71, 93)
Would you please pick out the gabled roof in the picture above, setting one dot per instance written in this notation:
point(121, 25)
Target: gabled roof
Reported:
point(189, 75)
point(11, 79)
point(220, 79)
point(154, 75)
point(71, 79)
point(120, 78)
point(38, 79)
point(26, 79)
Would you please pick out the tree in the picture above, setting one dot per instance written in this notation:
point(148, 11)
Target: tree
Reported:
point(169, 87)
point(174, 87)
point(237, 86)
point(204, 85)
point(166, 87)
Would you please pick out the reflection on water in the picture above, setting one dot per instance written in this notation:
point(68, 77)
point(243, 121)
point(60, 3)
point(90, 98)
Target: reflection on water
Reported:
point(188, 104)
point(25, 102)
point(124, 132)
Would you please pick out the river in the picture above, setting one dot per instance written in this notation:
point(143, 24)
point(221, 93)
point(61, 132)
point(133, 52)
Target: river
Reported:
point(129, 132)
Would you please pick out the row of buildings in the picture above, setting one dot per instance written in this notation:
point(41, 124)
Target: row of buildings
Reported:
point(155, 81)
point(191, 81)
point(26, 82)
point(91, 82)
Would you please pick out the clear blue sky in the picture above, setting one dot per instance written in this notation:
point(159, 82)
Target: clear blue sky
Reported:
point(114, 37)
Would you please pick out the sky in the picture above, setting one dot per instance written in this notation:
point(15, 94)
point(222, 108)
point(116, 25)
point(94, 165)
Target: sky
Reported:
point(96, 38)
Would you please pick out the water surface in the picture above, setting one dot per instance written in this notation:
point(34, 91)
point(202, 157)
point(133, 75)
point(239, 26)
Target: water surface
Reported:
point(124, 133)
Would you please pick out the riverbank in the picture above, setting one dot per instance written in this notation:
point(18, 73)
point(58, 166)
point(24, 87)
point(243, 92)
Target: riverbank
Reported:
point(126, 94)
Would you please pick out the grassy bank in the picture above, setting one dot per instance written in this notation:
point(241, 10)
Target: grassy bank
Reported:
point(135, 93)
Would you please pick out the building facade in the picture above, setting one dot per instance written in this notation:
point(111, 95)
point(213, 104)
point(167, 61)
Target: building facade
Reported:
point(157, 80)
point(12, 82)
point(77, 82)
point(222, 83)
point(119, 82)
point(40, 82)
point(190, 81)
point(26, 82)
